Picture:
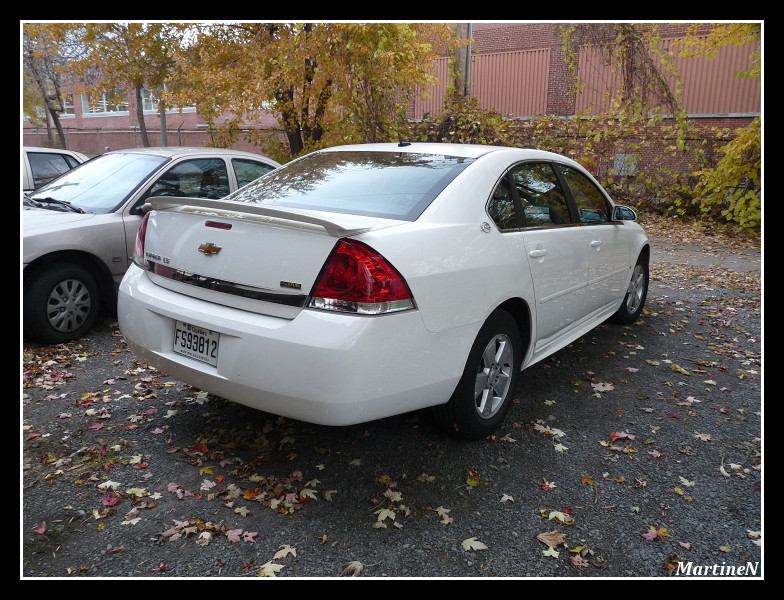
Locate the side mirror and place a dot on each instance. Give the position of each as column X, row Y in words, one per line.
column 623, row 213
column 141, row 209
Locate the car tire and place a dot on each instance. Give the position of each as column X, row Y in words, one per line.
column 61, row 303
column 636, row 293
column 487, row 387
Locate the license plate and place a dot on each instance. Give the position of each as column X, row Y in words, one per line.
column 196, row 342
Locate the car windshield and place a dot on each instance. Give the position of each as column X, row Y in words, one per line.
column 394, row 185
column 102, row 184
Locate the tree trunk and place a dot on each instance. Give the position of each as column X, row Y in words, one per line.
column 52, row 113
column 140, row 117
column 291, row 124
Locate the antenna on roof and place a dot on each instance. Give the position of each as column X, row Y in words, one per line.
column 401, row 143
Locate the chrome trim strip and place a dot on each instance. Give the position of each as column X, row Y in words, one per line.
column 227, row 287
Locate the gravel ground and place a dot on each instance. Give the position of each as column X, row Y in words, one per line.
column 636, row 452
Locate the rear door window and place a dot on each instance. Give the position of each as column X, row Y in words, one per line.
column 249, row 170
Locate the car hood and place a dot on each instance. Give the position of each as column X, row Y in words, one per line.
column 37, row 218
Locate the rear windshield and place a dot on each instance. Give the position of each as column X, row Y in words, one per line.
column 393, row 185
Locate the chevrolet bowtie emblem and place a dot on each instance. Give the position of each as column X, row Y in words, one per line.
column 209, row 249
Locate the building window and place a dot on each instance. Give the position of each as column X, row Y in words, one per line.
column 149, row 101
column 68, row 105
column 116, row 102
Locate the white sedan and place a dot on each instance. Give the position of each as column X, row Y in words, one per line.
column 78, row 230
column 366, row 281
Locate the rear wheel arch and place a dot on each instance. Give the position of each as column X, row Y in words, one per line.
column 645, row 254
column 520, row 311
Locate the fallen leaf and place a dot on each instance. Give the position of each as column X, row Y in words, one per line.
column 353, row 569
column 284, row 551
column 578, row 561
column 552, row 539
column 560, row 516
column 385, row 513
column 472, row 544
column 268, row 569
column 234, row 535
column 655, row 532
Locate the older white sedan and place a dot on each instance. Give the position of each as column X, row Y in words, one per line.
column 365, row 281
column 79, row 229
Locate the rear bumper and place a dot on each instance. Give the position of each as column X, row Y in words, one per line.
column 319, row 367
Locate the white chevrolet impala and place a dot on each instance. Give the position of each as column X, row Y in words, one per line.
column 365, row 281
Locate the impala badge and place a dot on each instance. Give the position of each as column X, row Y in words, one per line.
column 209, row 249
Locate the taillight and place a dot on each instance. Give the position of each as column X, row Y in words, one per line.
column 356, row 279
column 138, row 246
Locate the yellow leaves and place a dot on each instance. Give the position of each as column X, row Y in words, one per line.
column 473, row 478
column 268, row 569
column 679, row 369
column 561, row 517
column 384, row 513
column 471, row 544
column 284, row 551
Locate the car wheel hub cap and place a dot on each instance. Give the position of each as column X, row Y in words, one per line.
column 68, row 305
column 493, row 376
column 636, row 287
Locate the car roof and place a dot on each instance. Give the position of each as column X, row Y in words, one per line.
column 460, row 150
column 51, row 150
column 179, row 151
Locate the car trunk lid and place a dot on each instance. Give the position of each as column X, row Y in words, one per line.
column 246, row 256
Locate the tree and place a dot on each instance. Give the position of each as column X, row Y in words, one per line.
column 45, row 52
column 327, row 82
column 128, row 55
column 732, row 188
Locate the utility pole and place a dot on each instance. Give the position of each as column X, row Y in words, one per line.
column 463, row 60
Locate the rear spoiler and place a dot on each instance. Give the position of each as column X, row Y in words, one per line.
column 239, row 210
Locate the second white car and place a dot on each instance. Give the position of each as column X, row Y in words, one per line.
column 79, row 230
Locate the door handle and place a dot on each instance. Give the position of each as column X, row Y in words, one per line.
column 538, row 253
column 597, row 244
